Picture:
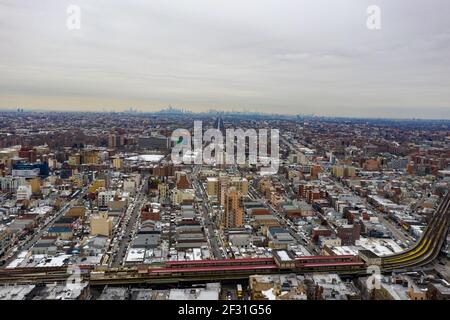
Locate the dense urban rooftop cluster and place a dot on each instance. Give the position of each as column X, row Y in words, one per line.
column 99, row 191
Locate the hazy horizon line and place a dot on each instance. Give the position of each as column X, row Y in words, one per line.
column 186, row 110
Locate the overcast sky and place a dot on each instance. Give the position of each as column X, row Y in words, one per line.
column 284, row 56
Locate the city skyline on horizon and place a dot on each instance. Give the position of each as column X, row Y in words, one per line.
column 231, row 111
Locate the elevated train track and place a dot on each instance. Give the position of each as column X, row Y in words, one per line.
column 227, row 269
column 428, row 246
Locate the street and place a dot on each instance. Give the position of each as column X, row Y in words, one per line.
column 206, row 209
column 130, row 220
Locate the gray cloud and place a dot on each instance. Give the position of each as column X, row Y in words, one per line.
column 287, row 56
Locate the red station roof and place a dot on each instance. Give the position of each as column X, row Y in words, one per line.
column 221, row 268
column 327, row 264
column 326, row 257
column 221, row 261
